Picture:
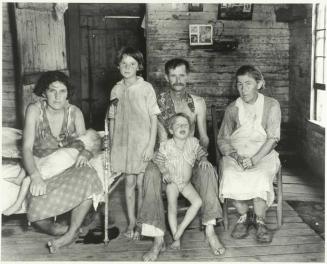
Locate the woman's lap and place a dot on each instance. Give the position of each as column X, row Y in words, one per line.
column 64, row 192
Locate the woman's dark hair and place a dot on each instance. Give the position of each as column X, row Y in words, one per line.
column 135, row 54
column 49, row 77
column 173, row 63
column 253, row 72
column 172, row 120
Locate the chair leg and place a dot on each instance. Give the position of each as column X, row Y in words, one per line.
column 225, row 213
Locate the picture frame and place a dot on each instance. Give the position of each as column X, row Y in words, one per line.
column 200, row 34
column 195, row 7
column 235, row 11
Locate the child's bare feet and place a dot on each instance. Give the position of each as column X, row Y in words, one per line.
column 178, row 233
column 176, row 245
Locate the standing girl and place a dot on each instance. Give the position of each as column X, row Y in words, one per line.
column 133, row 129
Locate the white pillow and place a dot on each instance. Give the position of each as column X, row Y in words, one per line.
column 11, row 142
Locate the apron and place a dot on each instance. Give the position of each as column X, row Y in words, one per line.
column 239, row 184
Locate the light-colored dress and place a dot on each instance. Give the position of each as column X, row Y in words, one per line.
column 136, row 104
column 179, row 162
column 245, row 129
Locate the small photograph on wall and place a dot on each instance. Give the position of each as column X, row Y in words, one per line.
column 200, row 34
column 235, row 11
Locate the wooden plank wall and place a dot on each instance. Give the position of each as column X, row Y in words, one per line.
column 310, row 135
column 262, row 42
column 8, row 72
column 42, row 40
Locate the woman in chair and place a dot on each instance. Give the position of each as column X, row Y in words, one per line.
column 248, row 135
column 49, row 123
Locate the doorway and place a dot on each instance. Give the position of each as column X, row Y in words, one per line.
column 103, row 30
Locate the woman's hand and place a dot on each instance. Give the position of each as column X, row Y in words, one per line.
column 247, row 163
column 148, row 153
column 38, row 185
column 204, row 164
column 81, row 161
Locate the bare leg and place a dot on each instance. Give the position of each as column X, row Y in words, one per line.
column 20, row 199
column 49, row 227
column 130, row 185
column 139, row 183
column 190, row 194
column 77, row 218
column 158, row 246
column 260, row 207
column 19, row 179
column 214, row 242
column 172, row 196
column 241, row 207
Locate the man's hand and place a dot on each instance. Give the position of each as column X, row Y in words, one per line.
column 204, row 164
column 38, row 185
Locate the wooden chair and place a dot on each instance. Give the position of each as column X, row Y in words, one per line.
column 217, row 117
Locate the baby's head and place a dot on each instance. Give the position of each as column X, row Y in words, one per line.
column 91, row 140
column 179, row 126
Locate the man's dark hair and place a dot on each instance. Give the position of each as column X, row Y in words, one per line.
column 173, row 63
column 49, row 77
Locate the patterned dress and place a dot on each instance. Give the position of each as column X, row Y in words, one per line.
column 68, row 189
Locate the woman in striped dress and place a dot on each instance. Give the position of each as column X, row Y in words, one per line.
column 49, row 123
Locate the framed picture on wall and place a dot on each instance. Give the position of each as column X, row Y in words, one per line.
column 200, row 34
column 235, row 11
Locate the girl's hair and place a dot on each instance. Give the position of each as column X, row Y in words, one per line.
column 172, row 120
column 135, row 54
column 49, row 77
column 253, row 72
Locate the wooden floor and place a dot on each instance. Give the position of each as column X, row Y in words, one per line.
column 294, row 242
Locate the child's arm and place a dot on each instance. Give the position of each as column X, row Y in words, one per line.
column 148, row 153
column 160, row 159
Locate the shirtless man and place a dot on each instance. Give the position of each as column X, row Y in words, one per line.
column 151, row 215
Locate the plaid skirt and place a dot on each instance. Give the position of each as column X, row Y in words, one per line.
column 64, row 192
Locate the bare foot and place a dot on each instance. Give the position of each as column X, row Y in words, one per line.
column 178, row 233
column 176, row 245
column 137, row 235
column 64, row 240
column 12, row 209
column 129, row 233
column 153, row 253
column 216, row 246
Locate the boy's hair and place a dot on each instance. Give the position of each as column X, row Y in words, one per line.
column 252, row 71
column 49, row 77
column 172, row 120
column 135, row 54
column 173, row 63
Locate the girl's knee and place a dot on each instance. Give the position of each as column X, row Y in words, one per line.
column 130, row 181
column 172, row 207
